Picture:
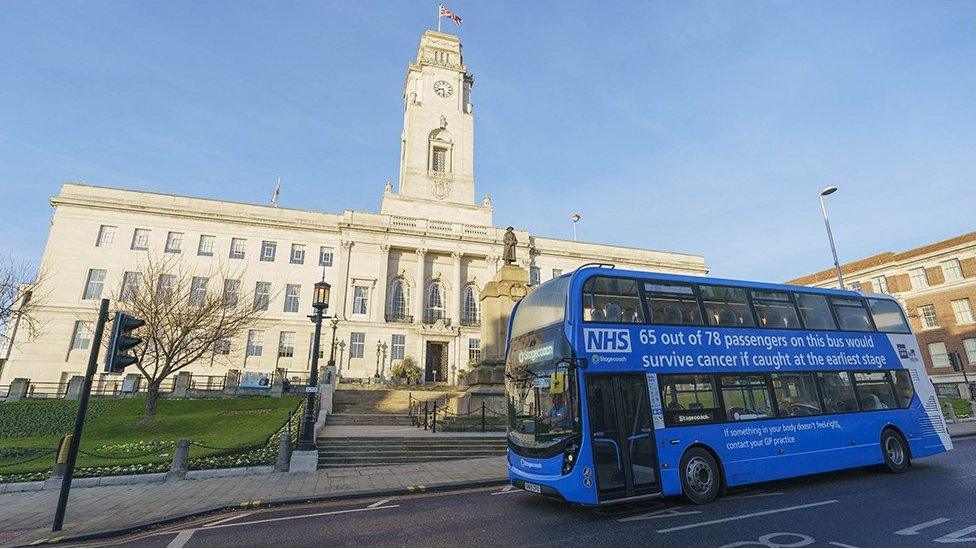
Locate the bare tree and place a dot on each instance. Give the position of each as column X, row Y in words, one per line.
column 189, row 316
column 21, row 297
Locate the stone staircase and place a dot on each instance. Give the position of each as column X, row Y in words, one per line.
column 376, row 406
column 370, row 451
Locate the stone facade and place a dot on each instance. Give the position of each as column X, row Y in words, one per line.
column 936, row 284
column 406, row 281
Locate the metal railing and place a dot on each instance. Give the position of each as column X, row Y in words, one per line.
column 402, row 318
column 427, row 414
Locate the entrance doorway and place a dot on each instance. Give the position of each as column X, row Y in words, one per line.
column 622, row 432
column 436, row 362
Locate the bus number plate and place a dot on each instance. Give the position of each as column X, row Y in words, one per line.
column 532, row 487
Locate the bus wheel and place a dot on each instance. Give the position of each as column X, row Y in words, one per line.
column 895, row 452
column 700, row 477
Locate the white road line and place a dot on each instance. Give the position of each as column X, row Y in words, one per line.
column 913, row 530
column 756, row 495
column 674, row 512
column 295, row 517
column 839, row 544
column 181, row 538
column 378, row 503
column 748, row 515
column 506, row 490
column 232, row 517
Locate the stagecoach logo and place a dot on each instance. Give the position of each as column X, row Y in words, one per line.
column 905, row 352
column 600, row 340
column 597, row 359
column 539, row 354
column 529, row 464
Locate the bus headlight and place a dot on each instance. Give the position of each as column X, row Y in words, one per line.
column 569, row 457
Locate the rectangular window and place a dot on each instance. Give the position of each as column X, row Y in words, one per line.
column 286, row 344
column 255, row 342
column 268, row 250
column 970, row 346
column 238, row 247
column 951, row 270
column 887, row 316
column 904, row 390
column 198, row 291
column 880, row 284
column 746, row 397
column 174, row 243
column 398, row 348
column 221, row 347
column 438, row 160
column 939, row 355
column 535, row 277
column 856, row 286
column 130, row 286
column 672, row 303
column 82, row 336
column 556, row 273
column 726, row 306
column 94, row 284
column 474, row 351
column 106, row 235
column 360, row 300
column 325, row 256
column 292, row 293
column 815, row 312
column 874, row 391
column 164, row 288
column 297, row 254
column 357, row 344
column 775, row 310
column 140, row 239
column 607, row 299
column 963, row 310
column 796, row 394
column 926, row 313
column 231, row 291
column 206, row 245
column 837, row 391
column 918, row 278
column 262, row 296
column 851, row 314
column 689, row 400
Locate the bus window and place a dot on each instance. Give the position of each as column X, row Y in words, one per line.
column 672, row 304
column 726, row 306
column 689, row 399
column 851, row 314
column 607, row 299
column 746, row 397
column 796, row 394
column 887, row 316
column 837, row 391
column 874, row 391
column 775, row 310
column 904, row 391
column 815, row 312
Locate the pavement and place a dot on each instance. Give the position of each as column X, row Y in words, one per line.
column 964, row 428
column 931, row 505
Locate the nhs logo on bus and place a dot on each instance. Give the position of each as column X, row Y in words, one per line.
column 606, row 340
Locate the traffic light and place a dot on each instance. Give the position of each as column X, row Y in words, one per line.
column 116, row 358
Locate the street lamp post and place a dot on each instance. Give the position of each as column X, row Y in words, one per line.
column 575, row 218
column 833, row 249
column 335, row 324
column 320, row 302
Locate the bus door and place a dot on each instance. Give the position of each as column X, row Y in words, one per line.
column 622, row 435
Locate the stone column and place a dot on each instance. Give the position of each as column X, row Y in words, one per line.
column 491, row 266
column 341, row 290
column 379, row 298
column 74, row 387
column 18, row 389
column 418, row 300
column 456, row 282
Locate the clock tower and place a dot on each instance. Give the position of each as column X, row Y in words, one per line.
column 437, row 143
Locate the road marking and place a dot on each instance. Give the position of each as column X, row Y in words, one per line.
column 748, row 515
column 181, row 538
column 756, row 495
column 233, row 517
column 957, row 536
column 506, row 490
column 673, row 512
column 839, row 544
column 310, row 515
column 378, row 503
column 914, row 530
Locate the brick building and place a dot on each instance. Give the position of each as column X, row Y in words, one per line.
column 936, row 284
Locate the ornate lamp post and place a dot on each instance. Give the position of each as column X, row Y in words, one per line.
column 320, row 302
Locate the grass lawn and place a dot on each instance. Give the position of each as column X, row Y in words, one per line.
column 115, row 428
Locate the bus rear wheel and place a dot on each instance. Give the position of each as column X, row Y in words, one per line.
column 700, row 476
column 895, row 452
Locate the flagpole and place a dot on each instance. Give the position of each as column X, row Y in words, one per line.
column 438, row 18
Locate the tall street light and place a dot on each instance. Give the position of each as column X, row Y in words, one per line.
column 320, row 302
column 823, row 208
column 575, row 218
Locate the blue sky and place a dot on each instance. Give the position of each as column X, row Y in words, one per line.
column 703, row 127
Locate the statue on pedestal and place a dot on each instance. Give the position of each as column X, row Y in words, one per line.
column 510, row 242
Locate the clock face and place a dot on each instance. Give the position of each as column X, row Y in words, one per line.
column 443, row 88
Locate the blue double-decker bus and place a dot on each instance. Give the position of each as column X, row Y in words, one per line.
column 624, row 385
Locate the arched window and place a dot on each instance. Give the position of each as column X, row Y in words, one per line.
column 469, row 306
column 440, row 145
column 398, row 309
column 436, row 306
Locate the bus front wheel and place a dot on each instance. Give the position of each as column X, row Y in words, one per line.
column 895, row 452
column 700, row 476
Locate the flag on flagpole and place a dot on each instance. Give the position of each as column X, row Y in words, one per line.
column 277, row 191
column 450, row 15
